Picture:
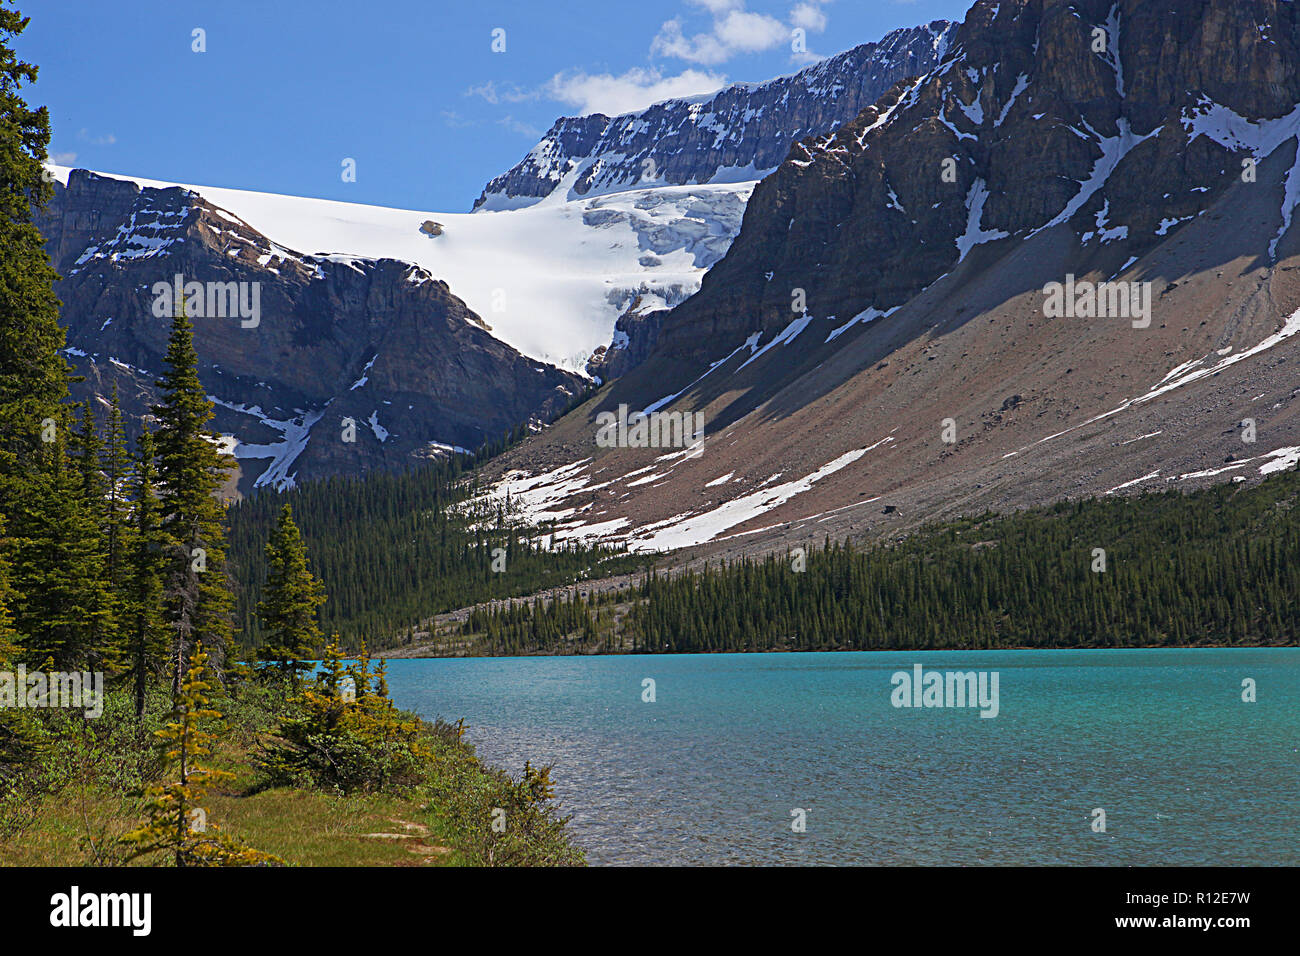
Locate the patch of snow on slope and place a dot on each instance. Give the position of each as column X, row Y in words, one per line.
column 751, row 343
column 787, row 335
column 975, row 233
column 974, row 111
column 364, row 377
column 1135, row 481
column 1289, row 328
column 1141, row 437
column 1113, row 150
column 1111, row 56
column 1022, row 81
column 1104, row 230
column 1284, row 459
column 1180, row 376
column 700, row 528
column 535, row 497
column 867, row 315
column 1211, row 472
column 283, row 453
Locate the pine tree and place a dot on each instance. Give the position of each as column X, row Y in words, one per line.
column 191, row 471
column 145, row 564
column 177, row 822
column 33, row 374
column 289, row 603
column 63, row 610
column 18, row 741
column 86, row 454
column 86, row 450
column 117, row 530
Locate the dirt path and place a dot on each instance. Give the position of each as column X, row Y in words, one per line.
column 428, row 852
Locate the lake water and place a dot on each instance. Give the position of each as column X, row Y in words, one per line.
column 1186, row 772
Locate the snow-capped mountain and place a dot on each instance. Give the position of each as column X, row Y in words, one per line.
column 317, row 364
column 549, row 280
column 879, row 345
column 735, row 135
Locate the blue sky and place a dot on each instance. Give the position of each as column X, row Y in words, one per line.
column 412, row 90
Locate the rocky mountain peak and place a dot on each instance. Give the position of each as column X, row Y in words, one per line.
column 739, row 133
column 1115, row 118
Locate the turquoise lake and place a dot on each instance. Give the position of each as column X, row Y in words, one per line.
column 710, row 772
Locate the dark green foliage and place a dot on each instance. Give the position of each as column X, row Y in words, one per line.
column 353, row 740
column 117, row 473
column 144, row 545
column 197, row 598
column 61, row 605
column 394, row 549
column 86, row 448
column 18, row 742
column 291, row 598
column 33, row 375
column 1219, row 566
column 33, row 386
column 571, row 623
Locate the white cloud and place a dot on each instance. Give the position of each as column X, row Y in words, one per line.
column 631, row 91
column 809, row 16
column 718, row 6
column 734, row 30
column 63, row 159
column 511, row 94
column 108, row 139
column 455, row 120
column 520, row 127
column 750, row 32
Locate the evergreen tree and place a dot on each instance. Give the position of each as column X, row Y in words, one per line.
column 117, row 473
column 289, row 603
column 177, row 822
column 145, row 564
column 63, row 611
column 191, row 472
column 18, row 742
column 86, row 453
column 33, row 375
column 86, row 449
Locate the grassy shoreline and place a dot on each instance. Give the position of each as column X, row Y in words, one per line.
column 75, row 805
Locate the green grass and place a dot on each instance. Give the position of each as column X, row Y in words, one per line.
column 75, row 803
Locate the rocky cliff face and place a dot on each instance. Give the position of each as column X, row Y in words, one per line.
column 635, row 333
column 1119, row 119
column 291, row 347
column 736, row 134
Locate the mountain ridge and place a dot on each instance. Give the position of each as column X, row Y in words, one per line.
column 751, row 126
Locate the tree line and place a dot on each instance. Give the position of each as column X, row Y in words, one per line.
column 1218, row 566
column 394, row 548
